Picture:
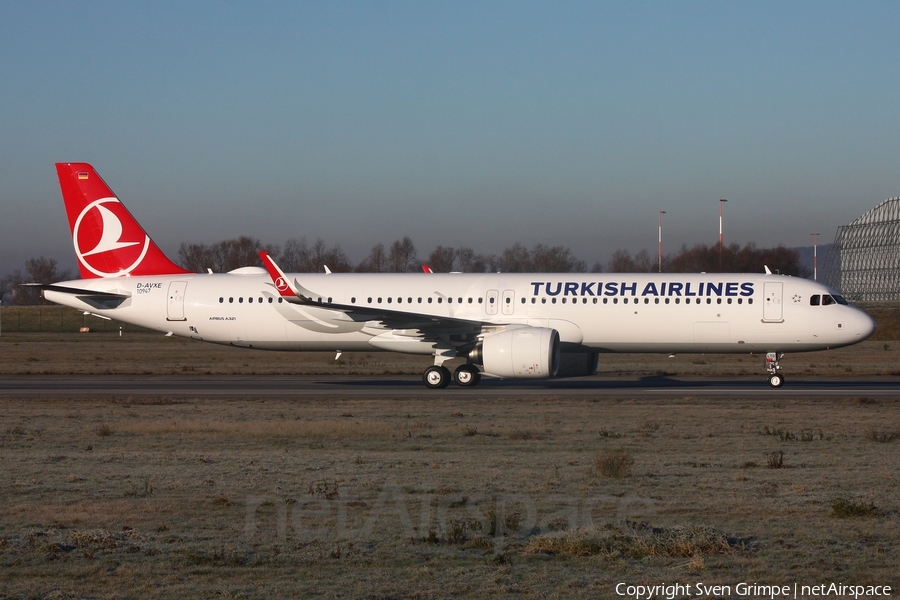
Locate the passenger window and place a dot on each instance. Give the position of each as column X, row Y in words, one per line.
column 449, row 300
column 280, row 300
column 814, row 300
column 624, row 300
column 709, row 300
column 749, row 300
column 409, row 300
column 399, row 300
column 429, row 300
column 656, row 301
column 729, row 301
column 543, row 301
column 353, row 300
column 667, row 300
column 740, row 300
column 595, row 301
column 440, row 300
column 260, row 300
column 615, row 300
column 250, row 300
column 370, row 300
column 390, row 299
column 563, row 300
column 241, row 300
column 605, row 300
column 677, row 300
column 523, row 300
column 553, row 301
column 221, row 300
column 329, row 300
column 270, row 301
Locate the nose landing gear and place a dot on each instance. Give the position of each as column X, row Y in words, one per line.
column 776, row 379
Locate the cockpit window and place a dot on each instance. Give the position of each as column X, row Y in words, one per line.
column 814, row 300
column 827, row 300
column 840, row 300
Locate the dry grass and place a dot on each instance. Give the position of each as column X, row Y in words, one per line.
column 437, row 496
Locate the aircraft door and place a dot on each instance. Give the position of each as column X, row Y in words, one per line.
column 508, row 305
column 772, row 309
column 175, row 302
column 491, row 299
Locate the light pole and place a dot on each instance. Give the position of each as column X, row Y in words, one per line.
column 661, row 213
column 721, row 202
column 815, row 257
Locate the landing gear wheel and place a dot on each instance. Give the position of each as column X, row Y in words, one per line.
column 436, row 377
column 467, row 376
column 776, row 380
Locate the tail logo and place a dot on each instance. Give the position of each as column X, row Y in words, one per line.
column 101, row 243
column 281, row 284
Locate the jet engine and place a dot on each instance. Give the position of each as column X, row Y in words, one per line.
column 526, row 352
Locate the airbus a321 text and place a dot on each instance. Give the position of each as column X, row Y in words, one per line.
column 506, row 325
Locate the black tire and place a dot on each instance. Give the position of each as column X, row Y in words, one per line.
column 436, row 377
column 467, row 376
column 776, row 380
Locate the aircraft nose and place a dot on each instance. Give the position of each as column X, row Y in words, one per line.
column 865, row 325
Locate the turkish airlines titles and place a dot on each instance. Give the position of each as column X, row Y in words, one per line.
column 664, row 288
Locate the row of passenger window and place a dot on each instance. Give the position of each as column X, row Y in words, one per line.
column 814, row 300
column 249, row 300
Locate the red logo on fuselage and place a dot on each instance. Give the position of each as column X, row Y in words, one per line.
column 281, row 284
column 108, row 242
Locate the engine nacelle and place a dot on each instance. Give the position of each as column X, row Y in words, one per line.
column 526, row 352
column 578, row 364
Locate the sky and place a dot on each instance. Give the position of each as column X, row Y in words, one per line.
column 456, row 123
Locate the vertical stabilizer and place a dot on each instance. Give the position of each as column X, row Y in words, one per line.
column 108, row 241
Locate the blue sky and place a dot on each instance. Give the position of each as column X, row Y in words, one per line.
column 465, row 124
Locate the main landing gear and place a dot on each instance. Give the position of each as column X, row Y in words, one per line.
column 438, row 376
column 776, row 379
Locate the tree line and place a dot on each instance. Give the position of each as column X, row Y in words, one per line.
column 299, row 256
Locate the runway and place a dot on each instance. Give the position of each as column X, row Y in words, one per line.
column 407, row 387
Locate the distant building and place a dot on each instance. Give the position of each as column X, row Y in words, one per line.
column 864, row 263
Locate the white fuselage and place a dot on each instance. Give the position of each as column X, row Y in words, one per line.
column 605, row 312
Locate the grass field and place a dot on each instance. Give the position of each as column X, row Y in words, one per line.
column 436, row 497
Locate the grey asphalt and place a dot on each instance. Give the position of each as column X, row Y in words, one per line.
column 412, row 387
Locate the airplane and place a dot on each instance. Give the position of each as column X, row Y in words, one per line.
column 503, row 325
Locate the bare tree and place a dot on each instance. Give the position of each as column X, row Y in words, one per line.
column 402, row 257
column 555, row 259
column 515, row 259
column 441, row 259
column 295, row 256
column 376, row 262
column 196, row 257
column 469, row 262
column 320, row 256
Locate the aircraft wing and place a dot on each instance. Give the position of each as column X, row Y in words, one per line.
column 294, row 293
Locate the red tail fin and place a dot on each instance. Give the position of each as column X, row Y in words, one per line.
column 109, row 242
